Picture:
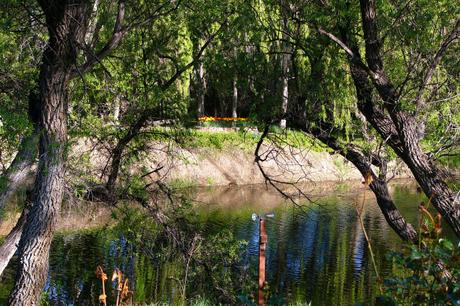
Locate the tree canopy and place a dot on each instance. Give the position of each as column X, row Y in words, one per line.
column 372, row 80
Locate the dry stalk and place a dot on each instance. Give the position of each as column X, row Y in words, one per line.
column 100, row 274
column 123, row 292
column 359, row 210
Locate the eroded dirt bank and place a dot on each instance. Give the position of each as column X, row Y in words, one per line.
column 229, row 165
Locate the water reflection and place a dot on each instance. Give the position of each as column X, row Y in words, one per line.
column 317, row 254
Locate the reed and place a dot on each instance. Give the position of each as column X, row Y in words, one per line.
column 124, row 295
column 103, row 277
column 359, row 211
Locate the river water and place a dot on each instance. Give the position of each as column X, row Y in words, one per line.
column 316, row 252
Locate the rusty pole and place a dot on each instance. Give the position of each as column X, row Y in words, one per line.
column 262, row 248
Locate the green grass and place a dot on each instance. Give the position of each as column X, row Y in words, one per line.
column 247, row 141
column 240, row 139
column 227, row 124
column 220, row 140
column 180, row 183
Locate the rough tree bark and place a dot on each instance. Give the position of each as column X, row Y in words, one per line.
column 324, row 132
column 67, row 24
column 396, row 126
column 15, row 177
column 409, row 150
column 10, row 244
column 20, row 168
column 378, row 185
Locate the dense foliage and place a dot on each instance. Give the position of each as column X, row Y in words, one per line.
column 372, row 80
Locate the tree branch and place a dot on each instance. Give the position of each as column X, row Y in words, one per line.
column 354, row 57
column 453, row 35
column 179, row 72
column 114, row 41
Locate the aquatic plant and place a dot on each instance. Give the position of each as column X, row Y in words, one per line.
column 123, row 293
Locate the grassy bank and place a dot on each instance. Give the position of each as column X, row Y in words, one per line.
column 247, row 139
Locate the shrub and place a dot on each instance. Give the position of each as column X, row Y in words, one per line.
column 428, row 273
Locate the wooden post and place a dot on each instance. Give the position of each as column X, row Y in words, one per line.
column 262, row 247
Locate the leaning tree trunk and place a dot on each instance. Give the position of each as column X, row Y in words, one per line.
column 378, row 184
column 443, row 198
column 10, row 244
column 16, row 176
column 66, row 21
column 20, row 168
column 117, row 153
column 324, row 132
column 379, row 187
column 391, row 213
column 427, row 175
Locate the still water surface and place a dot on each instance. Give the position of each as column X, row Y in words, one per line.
column 316, row 252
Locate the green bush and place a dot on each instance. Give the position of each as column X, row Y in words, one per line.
column 428, row 273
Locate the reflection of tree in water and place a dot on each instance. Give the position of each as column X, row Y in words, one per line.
column 314, row 255
column 73, row 261
column 70, row 280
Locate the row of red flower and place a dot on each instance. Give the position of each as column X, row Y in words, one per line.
column 206, row 118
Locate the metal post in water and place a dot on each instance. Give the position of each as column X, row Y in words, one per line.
column 262, row 248
column 263, row 238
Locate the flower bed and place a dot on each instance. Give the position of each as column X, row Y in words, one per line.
column 207, row 119
column 223, row 121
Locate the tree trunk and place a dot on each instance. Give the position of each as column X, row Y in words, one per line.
column 199, row 72
column 285, row 93
column 408, row 149
column 148, row 114
column 116, row 108
column 427, row 175
column 91, row 33
column 235, row 98
column 66, row 22
column 20, row 168
column 38, row 233
column 16, row 176
column 285, row 57
column 117, row 153
column 10, row 244
column 391, row 213
column 378, row 185
column 324, row 132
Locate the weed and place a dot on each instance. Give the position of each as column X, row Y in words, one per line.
column 124, row 295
